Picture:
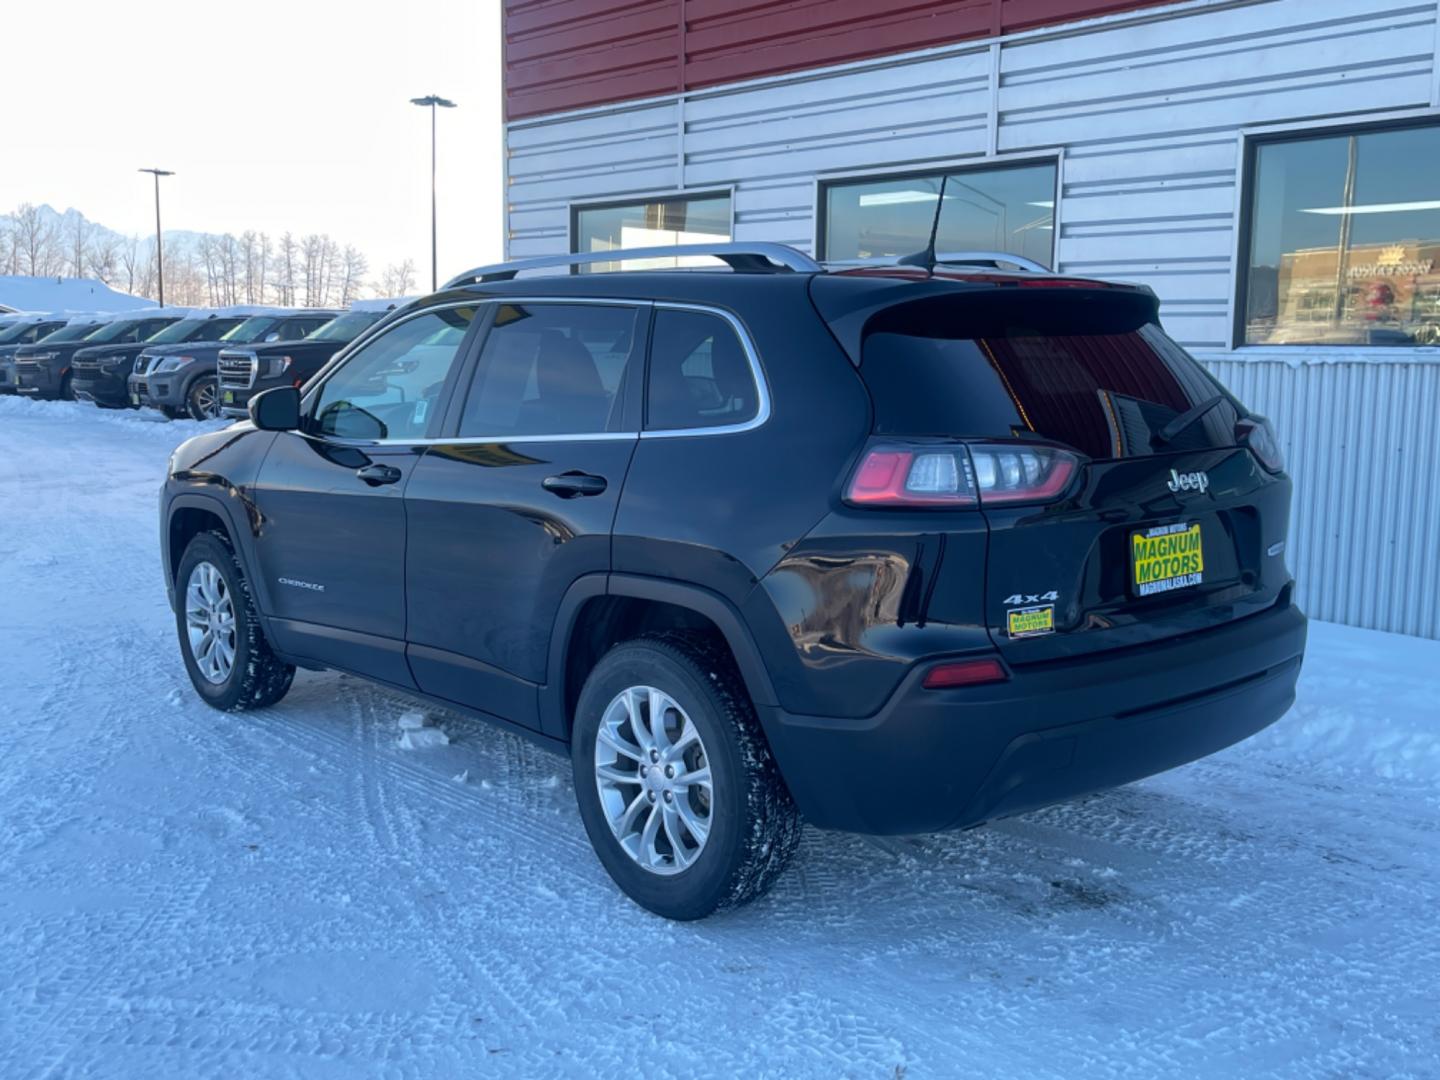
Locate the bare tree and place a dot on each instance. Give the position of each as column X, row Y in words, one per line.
column 354, row 267
column 34, row 236
column 77, row 238
column 288, row 256
column 398, row 279
column 103, row 257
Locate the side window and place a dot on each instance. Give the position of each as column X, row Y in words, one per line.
column 294, row 329
column 700, row 376
column 388, row 389
column 551, row 369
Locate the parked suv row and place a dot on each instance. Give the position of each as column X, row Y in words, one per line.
column 179, row 377
column 248, row 368
column 18, row 330
column 888, row 550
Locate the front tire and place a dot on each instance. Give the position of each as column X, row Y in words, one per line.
column 226, row 655
column 202, row 399
column 679, row 794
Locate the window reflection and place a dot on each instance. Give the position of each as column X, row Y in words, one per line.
column 1008, row 208
column 653, row 223
column 1344, row 243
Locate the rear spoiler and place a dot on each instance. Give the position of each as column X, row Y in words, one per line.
column 969, row 309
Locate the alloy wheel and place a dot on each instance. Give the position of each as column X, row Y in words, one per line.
column 205, row 400
column 210, row 622
column 654, row 780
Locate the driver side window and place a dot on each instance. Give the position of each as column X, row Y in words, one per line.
column 388, row 389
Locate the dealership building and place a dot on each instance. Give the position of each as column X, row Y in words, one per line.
column 1271, row 168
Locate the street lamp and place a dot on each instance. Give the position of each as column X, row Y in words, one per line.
column 159, row 244
column 433, row 100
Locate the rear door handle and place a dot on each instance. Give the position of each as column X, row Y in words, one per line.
column 375, row 475
column 570, row 484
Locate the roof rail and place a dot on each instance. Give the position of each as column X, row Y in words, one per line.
column 762, row 257
column 990, row 258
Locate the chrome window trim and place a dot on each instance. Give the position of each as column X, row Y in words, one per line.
column 762, row 412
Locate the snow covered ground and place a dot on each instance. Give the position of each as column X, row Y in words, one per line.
column 292, row 894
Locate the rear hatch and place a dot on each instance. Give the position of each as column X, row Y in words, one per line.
column 1122, row 506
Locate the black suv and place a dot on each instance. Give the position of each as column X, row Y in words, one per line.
column 17, row 332
column 100, row 369
column 245, row 373
column 46, row 368
column 893, row 550
column 180, row 379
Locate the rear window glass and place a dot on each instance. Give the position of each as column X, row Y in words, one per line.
column 1102, row 386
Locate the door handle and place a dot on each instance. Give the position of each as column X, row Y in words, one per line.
column 570, row 484
column 375, row 475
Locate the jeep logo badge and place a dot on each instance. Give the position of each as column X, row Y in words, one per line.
column 1189, row 481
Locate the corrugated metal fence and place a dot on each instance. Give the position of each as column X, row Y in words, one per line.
column 1362, row 440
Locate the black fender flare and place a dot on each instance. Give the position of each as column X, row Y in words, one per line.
column 711, row 605
column 192, row 500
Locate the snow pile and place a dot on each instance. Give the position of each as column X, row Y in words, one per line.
column 1360, row 709
column 145, row 422
column 418, row 732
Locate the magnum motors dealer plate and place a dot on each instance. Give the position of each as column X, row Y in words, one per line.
column 1167, row 557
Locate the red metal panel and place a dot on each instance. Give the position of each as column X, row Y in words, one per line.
column 570, row 54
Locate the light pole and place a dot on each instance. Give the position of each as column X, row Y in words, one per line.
column 159, row 244
column 433, row 100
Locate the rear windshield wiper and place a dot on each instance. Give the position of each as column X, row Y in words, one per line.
column 1169, row 432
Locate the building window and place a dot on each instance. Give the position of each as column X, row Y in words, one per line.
column 665, row 222
column 1007, row 208
column 1342, row 244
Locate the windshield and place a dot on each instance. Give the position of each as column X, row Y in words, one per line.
column 346, row 327
column 252, row 329
column 193, row 330
column 72, row 332
column 112, row 331
column 11, row 334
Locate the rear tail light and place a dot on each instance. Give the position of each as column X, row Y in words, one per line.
column 1258, row 434
column 964, row 673
column 961, row 475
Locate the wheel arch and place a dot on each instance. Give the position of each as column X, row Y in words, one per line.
column 186, row 517
column 601, row 609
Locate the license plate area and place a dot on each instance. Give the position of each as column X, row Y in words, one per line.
column 1166, row 558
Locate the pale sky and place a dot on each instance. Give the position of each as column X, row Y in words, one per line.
column 274, row 115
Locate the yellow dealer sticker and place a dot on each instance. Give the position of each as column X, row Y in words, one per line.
column 1165, row 558
column 1031, row 621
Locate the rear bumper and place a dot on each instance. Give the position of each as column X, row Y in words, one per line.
column 933, row 760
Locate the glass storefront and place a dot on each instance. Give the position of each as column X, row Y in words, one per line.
column 1343, row 245
column 666, row 222
column 1007, row 208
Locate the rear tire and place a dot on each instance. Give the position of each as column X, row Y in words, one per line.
column 226, row 655
column 750, row 824
column 202, row 398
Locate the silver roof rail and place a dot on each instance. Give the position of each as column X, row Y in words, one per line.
column 990, row 258
column 762, row 256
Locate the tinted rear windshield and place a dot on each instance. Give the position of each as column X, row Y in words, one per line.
column 1092, row 376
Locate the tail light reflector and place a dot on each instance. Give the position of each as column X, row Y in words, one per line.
column 961, row 475
column 964, row 673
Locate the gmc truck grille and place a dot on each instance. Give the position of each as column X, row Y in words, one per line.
column 237, row 372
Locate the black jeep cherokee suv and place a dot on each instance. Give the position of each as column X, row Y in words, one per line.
column 180, row 380
column 889, row 550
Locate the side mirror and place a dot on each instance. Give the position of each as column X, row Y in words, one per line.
column 277, row 409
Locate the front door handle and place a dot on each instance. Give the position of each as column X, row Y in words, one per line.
column 375, row 475
column 570, row 484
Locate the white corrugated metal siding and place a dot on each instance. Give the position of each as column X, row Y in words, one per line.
column 1146, row 111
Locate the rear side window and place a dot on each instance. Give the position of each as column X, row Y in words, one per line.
column 700, row 374
column 551, row 369
column 1102, row 386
